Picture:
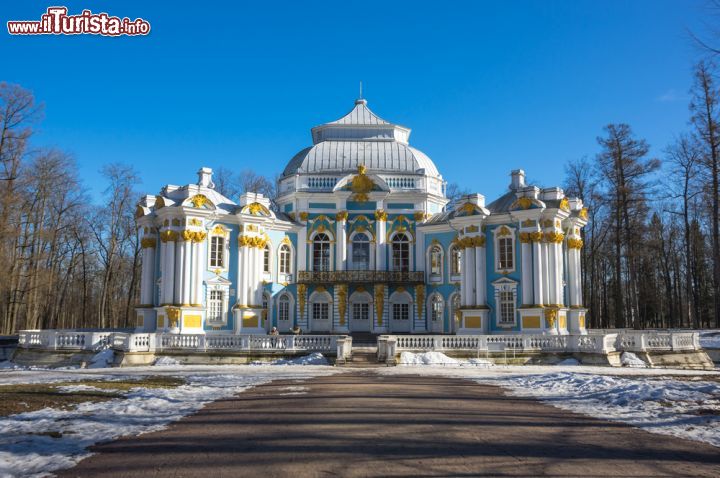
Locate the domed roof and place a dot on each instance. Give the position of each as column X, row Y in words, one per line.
column 360, row 138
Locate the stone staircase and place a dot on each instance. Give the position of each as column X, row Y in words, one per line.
column 364, row 351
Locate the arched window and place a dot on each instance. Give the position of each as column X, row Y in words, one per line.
column 265, row 306
column 284, row 308
column 436, row 308
column 284, row 259
column 436, row 260
column 361, row 252
column 455, row 261
column 266, row 259
column 321, row 252
column 401, row 253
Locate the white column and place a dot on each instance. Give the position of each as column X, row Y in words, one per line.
column 252, row 265
column 258, row 285
column 381, row 249
column 471, row 282
column 537, row 273
column 169, row 273
column 187, row 274
column 527, row 273
column 301, row 250
column 420, row 251
column 575, row 291
column 241, row 276
column 464, row 284
column 180, row 273
column 199, row 264
column 547, row 285
column 480, row 276
column 558, row 269
column 341, row 242
column 148, row 276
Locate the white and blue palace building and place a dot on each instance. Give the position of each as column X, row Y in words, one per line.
column 361, row 238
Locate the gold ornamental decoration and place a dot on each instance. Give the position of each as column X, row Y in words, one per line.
column 361, row 185
column 341, row 216
column 159, row 202
column 525, row 237
column 522, row 203
column 379, row 302
column 583, row 213
column 574, row 243
column 565, row 205
column 381, row 215
column 550, row 317
column 420, row 299
column 342, row 301
column 536, row 236
column 199, row 200
column 302, row 297
column 173, row 315
column 148, row 242
column 139, row 211
column 554, row 237
column 168, row 236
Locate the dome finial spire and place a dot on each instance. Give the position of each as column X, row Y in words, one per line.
column 360, row 100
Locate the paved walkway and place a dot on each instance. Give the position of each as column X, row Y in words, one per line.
column 363, row 424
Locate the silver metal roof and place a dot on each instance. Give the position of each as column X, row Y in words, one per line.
column 360, row 138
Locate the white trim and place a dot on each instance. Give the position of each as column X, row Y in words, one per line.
column 505, row 285
column 331, row 243
column 226, row 248
column 496, row 249
column 411, row 256
column 430, row 277
column 285, row 277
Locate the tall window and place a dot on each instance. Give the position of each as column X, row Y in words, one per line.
column 321, row 252
column 266, row 259
column 505, row 253
column 361, row 252
column 284, row 308
column 321, row 311
column 507, row 307
column 436, row 308
column 284, row 259
column 215, row 306
column 401, row 253
column 361, row 311
column 401, row 311
column 455, row 261
column 217, row 251
column 435, row 260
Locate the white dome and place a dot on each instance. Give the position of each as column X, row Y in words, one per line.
column 360, row 138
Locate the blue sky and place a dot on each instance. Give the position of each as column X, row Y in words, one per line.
column 485, row 86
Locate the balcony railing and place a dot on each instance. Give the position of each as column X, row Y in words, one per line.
column 360, row 276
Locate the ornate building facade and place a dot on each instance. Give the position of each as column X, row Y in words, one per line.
column 361, row 238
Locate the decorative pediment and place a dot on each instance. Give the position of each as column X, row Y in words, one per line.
column 504, row 281
column 525, row 203
column 200, row 201
column 218, row 281
column 256, row 209
column 468, row 209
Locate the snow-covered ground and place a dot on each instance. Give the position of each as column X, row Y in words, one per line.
column 36, row 443
column 683, row 403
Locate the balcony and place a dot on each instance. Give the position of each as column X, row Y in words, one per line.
column 332, row 277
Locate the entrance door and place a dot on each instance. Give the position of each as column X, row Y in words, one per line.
column 400, row 317
column 360, row 317
column 320, row 318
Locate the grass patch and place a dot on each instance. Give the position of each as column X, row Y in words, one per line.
column 30, row 397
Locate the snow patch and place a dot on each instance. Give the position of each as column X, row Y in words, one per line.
column 315, row 358
column 166, row 362
column 40, row 442
column 629, row 359
column 438, row 358
column 102, row 359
